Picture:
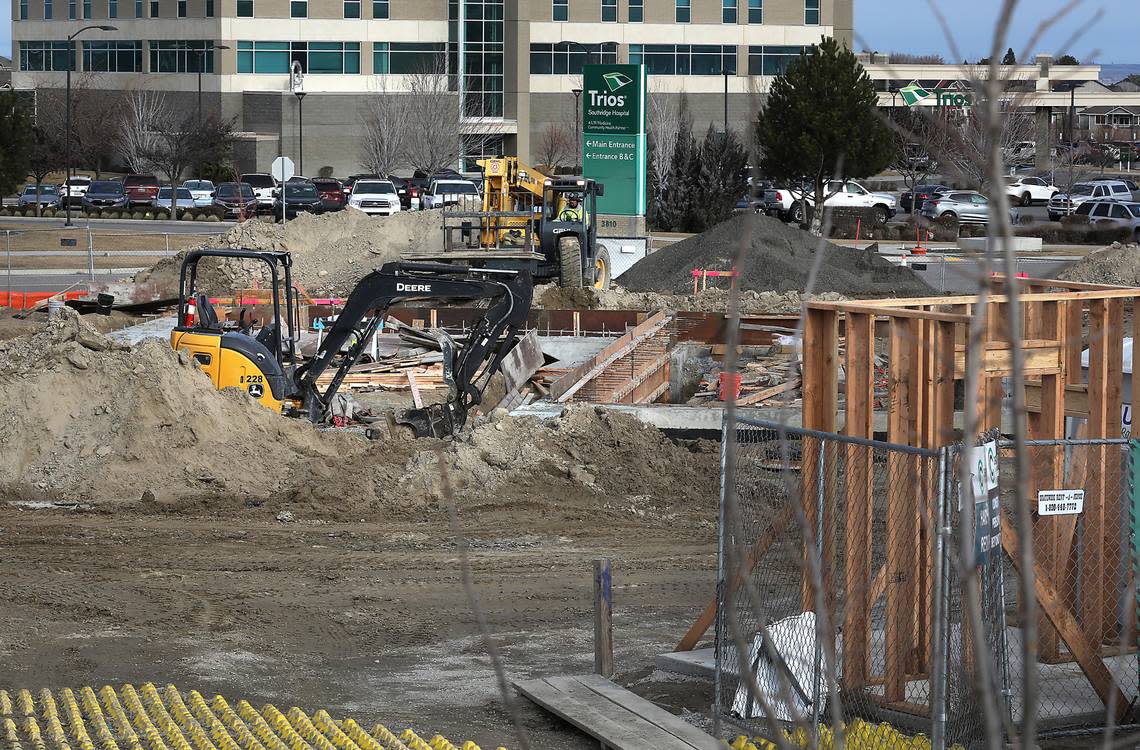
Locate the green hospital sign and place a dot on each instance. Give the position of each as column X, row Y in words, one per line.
column 613, row 133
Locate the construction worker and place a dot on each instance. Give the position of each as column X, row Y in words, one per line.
column 571, row 212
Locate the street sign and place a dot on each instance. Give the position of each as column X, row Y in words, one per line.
column 283, row 169
column 613, row 135
column 1060, row 502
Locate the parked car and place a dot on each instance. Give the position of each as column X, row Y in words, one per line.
column 352, row 178
column 1118, row 213
column 1028, row 190
column 375, row 197
column 71, row 192
column 47, row 196
column 962, row 206
column 201, row 190
column 409, row 193
column 331, row 192
column 141, row 189
column 264, row 188
column 449, row 192
column 848, row 194
column 1023, row 152
column 1063, row 204
column 915, row 198
column 299, row 196
column 106, row 194
column 235, row 198
column 183, row 199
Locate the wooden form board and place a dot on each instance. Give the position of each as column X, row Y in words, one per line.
column 928, row 353
column 633, row 369
column 614, row 715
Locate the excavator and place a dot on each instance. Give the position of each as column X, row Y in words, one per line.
column 266, row 365
column 525, row 209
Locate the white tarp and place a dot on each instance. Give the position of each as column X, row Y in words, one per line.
column 794, row 639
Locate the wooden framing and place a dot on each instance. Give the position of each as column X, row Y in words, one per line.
column 929, row 350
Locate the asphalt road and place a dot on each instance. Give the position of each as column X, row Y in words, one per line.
column 108, row 225
column 52, row 282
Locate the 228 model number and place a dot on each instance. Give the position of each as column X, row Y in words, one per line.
column 243, row 379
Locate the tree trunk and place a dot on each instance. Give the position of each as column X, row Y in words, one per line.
column 816, row 224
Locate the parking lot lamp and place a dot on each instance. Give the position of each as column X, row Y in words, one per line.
column 67, row 113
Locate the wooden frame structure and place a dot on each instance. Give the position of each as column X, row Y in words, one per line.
column 927, row 341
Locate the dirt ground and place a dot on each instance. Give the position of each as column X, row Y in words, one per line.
column 365, row 619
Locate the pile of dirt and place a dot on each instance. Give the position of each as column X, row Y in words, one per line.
column 587, row 462
column 779, row 258
column 87, row 420
column 331, row 252
column 1115, row 264
column 752, row 302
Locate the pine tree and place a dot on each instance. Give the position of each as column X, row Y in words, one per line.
column 1010, row 58
column 15, row 142
column 821, row 123
column 723, row 161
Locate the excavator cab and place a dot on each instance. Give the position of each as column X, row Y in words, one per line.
column 569, row 232
column 230, row 352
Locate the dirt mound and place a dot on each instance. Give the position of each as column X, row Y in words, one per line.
column 331, row 252
column 84, row 419
column 752, row 302
column 1115, row 264
column 586, row 462
column 779, row 258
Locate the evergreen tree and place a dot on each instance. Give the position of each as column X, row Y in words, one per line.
column 821, row 123
column 723, row 161
column 15, row 142
column 677, row 207
column 1010, row 58
column 1066, row 60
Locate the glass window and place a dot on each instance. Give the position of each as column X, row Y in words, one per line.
column 112, row 8
column 113, row 57
column 47, row 10
column 180, row 56
column 43, row 56
column 352, row 8
column 1119, row 212
column 636, row 11
column 609, row 11
column 209, row 8
column 23, row 10
column 685, row 59
column 1100, row 210
column 318, row 58
column 755, row 11
column 87, row 9
column 299, row 8
column 684, row 11
column 72, row 11
column 770, row 60
column 380, row 8
column 182, row 8
column 1084, row 209
column 139, row 12
column 154, row 8
column 407, row 57
column 245, row 8
column 728, row 11
column 811, row 12
column 565, row 59
column 561, row 10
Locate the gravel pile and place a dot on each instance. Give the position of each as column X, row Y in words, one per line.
column 1115, row 264
column 779, row 258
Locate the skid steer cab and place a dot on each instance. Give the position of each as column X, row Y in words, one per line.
column 260, row 363
column 569, row 233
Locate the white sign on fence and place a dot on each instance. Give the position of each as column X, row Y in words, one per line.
column 1060, row 502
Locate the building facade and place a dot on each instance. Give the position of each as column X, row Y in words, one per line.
column 522, row 59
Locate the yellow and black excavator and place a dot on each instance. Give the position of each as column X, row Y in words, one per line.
column 266, row 365
column 524, row 208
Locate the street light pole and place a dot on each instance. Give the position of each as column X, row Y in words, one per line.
column 67, row 115
column 300, row 133
column 577, row 131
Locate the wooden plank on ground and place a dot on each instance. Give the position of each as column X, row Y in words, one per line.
column 768, row 393
column 1085, row 651
column 617, row 717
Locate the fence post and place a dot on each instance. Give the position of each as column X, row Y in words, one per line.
column 603, row 618
column 721, row 577
column 166, row 236
column 938, row 707
column 821, row 596
column 90, row 253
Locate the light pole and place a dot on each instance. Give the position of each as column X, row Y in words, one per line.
column 577, row 131
column 300, row 134
column 201, row 64
column 586, row 50
column 67, row 112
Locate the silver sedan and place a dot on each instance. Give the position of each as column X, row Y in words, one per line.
column 963, row 207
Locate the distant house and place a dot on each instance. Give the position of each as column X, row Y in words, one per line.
column 1110, row 123
column 5, row 73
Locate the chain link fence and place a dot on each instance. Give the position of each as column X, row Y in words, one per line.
column 890, row 547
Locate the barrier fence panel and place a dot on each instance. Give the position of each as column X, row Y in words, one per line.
column 899, row 546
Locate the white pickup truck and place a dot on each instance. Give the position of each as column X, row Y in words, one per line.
column 788, row 203
column 450, row 193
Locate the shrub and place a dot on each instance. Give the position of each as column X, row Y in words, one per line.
column 139, row 215
column 186, row 216
column 212, row 217
column 200, row 217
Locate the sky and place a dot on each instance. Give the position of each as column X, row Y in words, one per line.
column 910, row 26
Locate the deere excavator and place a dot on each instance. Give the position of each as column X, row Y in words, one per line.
column 266, row 365
column 553, row 219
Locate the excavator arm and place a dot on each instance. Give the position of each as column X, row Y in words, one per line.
column 466, row 369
